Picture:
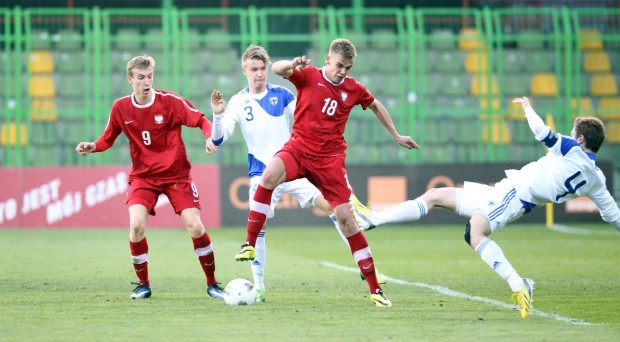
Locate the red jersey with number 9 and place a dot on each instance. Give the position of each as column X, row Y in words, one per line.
column 154, row 133
column 323, row 109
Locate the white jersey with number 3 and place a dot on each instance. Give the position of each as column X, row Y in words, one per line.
column 265, row 121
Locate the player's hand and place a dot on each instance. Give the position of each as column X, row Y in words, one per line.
column 525, row 103
column 300, row 62
column 406, row 141
column 85, row 148
column 210, row 146
column 217, row 102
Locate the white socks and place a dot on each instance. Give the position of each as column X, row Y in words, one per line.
column 407, row 211
column 258, row 264
column 493, row 256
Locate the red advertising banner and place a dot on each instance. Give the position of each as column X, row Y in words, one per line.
column 91, row 197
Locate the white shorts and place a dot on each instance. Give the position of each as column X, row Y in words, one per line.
column 302, row 189
column 498, row 203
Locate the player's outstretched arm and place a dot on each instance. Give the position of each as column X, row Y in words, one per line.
column 217, row 132
column 84, row 148
column 285, row 68
column 384, row 117
column 537, row 125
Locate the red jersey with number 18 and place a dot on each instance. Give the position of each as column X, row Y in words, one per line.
column 154, row 132
column 323, row 109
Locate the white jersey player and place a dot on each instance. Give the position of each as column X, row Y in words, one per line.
column 567, row 171
column 264, row 113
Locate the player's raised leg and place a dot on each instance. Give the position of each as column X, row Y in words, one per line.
column 274, row 175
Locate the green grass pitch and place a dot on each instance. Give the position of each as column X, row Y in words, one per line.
column 73, row 285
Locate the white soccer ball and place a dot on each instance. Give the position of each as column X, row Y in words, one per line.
column 240, row 292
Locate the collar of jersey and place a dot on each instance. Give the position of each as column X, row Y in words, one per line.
column 328, row 80
column 133, row 100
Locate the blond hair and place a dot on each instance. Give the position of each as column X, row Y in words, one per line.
column 343, row 47
column 255, row 52
column 140, row 62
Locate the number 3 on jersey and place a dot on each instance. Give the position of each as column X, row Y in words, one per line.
column 329, row 107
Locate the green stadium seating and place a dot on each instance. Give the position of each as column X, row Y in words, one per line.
column 449, row 61
column 538, row 61
column 128, row 39
column 40, row 40
column 512, row 60
column 71, row 85
column 530, row 40
column 442, row 40
column 70, row 61
column 454, row 84
column 516, row 84
column 68, row 40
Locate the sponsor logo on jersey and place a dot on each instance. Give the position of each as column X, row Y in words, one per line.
column 159, row 119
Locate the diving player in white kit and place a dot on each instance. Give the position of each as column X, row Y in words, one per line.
column 567, row 171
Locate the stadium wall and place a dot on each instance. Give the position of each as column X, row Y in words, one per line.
column 94, row 197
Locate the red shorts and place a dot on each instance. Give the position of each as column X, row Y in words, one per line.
column 182, row 194
column 328, row 174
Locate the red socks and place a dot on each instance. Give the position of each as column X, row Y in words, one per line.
column 139, row 255
column 259, row 208
column 363, row 258
column 204, row 251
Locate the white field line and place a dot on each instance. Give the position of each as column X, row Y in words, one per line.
column 582, row 231
column 452, row 293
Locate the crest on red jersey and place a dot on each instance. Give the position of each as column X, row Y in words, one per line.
column 159, row 119
column 344, row 96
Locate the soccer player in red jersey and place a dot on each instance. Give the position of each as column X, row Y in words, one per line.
column 152, row 120
column 316, row 149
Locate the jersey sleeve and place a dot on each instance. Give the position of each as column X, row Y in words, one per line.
column 366, row 98
column 606, row 205
column 224, row 126
column 298, row 78
column 111, row 132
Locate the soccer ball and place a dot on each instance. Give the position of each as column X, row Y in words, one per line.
column 240, row 292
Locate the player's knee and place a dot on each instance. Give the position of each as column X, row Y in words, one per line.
column 467, row 234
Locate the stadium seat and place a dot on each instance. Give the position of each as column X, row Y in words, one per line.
column 442, row 40
column 363, row 64
column 449, row 61
column 359, row 38
column 383, row 39
column 603, row 85
column 43, row 109
column 609, row 108
column 581, row 106
column 544, row 84
column 71, row 85
column 197, row 62
column 590, row 39
column 41, row 86
column 470, row 39
column 68, row 40
column 613, row 132
column 43, row 133
column 395, row 64
column 155, row 41
column 45, row 155
column 191, row 40
column 72, row 61
column 480, row 85
column 596, row 61
column 500, row 134
column 127, row 39
column 530, row 40
column 218, row 40
column 40, row 40
column 538, row 61
column 391, row 85
column 219, row 61
column 511, row 60
column 514, row 111
column 516, row 84
column 41, row 61
column 8, row 134
column 454, row 84
column 476, row 62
